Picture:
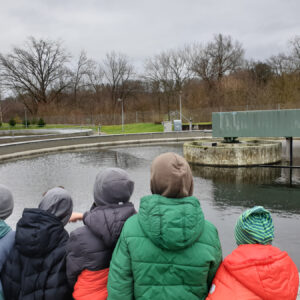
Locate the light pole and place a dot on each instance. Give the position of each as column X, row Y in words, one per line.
column 180, row 112
column 26, row 125
column 121, row 100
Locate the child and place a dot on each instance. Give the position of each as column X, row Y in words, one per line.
column 7, row 236
column 255, row 270
column 168, row 250
column 90, row 247
column 36, row 267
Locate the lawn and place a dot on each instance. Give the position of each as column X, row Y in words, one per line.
column 132, row 128
column 108, row 129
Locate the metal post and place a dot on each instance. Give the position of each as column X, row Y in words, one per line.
column 1, row 116
column 121, row 100
column 25, row 117
column 291, row 151
column 122, row 117
column 180, row 112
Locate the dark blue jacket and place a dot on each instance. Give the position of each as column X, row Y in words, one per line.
column 36, row 267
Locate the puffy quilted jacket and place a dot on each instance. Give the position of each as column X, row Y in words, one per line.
column 91, row 285
column 167, row 251
column 90, row 247
column 36, row 266
column 256, row 272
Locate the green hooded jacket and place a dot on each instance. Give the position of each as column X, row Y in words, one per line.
column 167, row 251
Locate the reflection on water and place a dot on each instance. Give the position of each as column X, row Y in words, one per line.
column 223, row 192
column 241, row 175
column 269, row 187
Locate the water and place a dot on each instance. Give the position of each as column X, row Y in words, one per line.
column 224, row 193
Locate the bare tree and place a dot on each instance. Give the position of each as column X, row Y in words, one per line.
column 280, row 64
column 168, row 72
column 118, row 72
column 295, row 55
column 295, row 43
column 95, row 78
column 81, row 74
column 1, row 110
column 36, row 70
column 218, row 58
column 4, row 107
column 157, row 72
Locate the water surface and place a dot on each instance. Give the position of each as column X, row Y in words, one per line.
column 224, row 193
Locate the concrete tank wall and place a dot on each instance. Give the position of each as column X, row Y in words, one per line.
column 246, row 153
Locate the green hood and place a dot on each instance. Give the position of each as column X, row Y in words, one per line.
column 4, row 229
column 172, row 224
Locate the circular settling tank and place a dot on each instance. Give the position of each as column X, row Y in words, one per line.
column 217, row 152
column 224, row 193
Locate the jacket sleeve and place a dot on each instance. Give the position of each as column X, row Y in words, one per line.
column 215, row 263
column 73, row 269
column 11, row 274
column 120, row 278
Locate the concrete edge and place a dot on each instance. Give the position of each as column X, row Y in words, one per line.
column 37, row 152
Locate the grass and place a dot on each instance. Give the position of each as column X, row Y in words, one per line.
column 108, row 129
column 132, row 128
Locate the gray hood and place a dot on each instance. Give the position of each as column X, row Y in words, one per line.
column 58, row 202
column 112, row 186
column 6, row 202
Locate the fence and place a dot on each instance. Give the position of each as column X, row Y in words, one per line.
column 196, row 115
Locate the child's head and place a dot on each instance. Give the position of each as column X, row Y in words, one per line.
column 171, row 176
column 6, row 202
column 58, row 202
column 112, row 186
column 254, row 226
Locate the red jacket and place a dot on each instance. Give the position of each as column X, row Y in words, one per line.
column 91, row 285
column 256, row 272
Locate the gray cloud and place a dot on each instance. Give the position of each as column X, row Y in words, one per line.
column 143, row 28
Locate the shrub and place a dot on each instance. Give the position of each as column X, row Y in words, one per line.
column 41, row 122
column 26, row 123
column 12, row 122
column 17, row 119
column 33, row 121
column 0, row 124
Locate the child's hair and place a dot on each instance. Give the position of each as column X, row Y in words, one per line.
column 6, row 202
column 254, row 226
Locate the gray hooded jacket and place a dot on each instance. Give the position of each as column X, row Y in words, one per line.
column 90, row 247
column 57, row 201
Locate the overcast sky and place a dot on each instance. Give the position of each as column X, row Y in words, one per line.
column 142, row 28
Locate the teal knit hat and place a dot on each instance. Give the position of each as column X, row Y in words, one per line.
column 254, row 226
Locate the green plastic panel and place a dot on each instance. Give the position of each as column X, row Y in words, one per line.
column 259, row 123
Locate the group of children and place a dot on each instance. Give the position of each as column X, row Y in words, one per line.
column 165, row 251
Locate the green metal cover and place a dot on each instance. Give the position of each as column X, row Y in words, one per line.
column 260, row 123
